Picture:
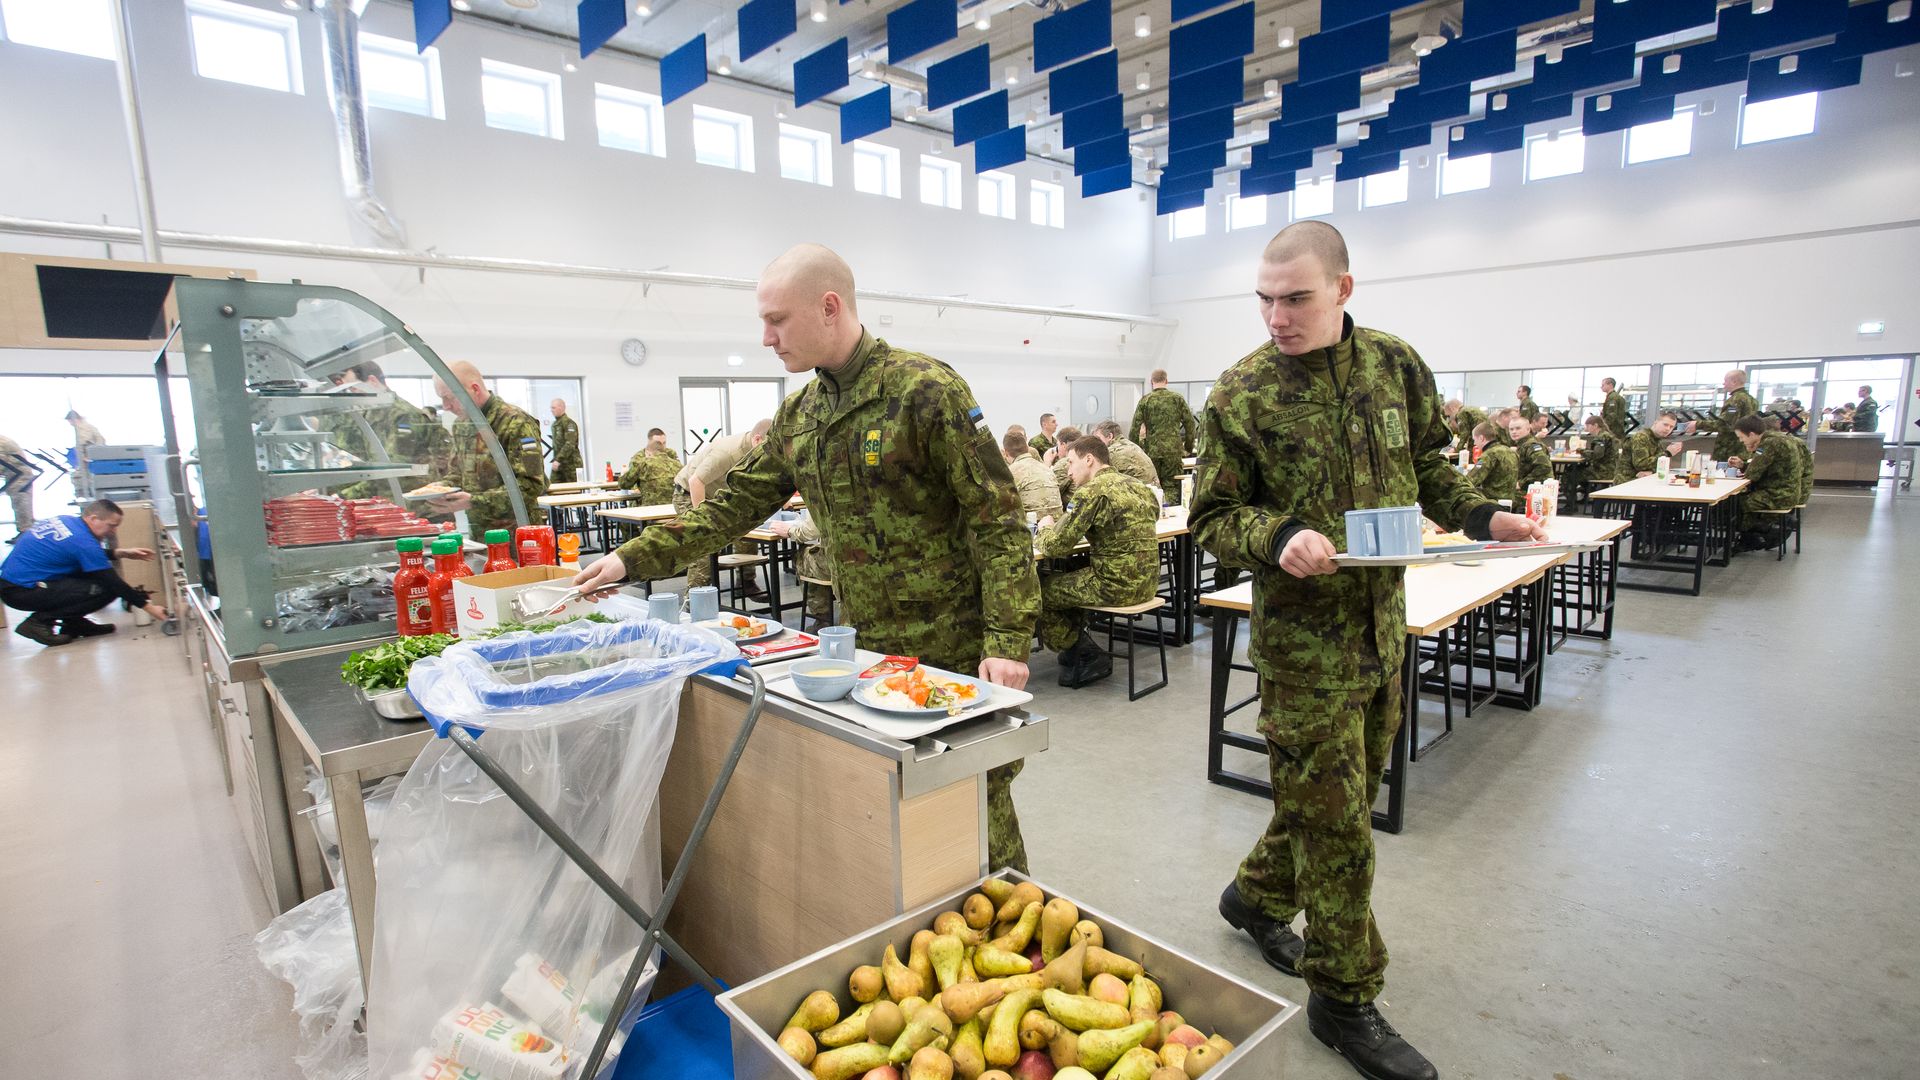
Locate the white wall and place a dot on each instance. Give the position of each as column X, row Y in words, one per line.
column 1768, row 251
column 239, row 160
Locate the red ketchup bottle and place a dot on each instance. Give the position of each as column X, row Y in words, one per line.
column 414, row 606
column 535, row 543
column 448, row 564
column 499, row 552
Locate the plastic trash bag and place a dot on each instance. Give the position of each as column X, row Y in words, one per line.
column 492, row 950
column 312, row 948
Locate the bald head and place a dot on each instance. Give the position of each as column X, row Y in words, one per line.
column 807, row 311
column 1315, row 238
column 468, row 376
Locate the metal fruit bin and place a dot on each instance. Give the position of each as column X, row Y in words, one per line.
column 1209, row 999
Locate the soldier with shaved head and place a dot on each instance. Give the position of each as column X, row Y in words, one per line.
column 918, row 517
column 482, row 491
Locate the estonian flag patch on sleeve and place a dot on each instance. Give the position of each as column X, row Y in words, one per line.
column 978, row 416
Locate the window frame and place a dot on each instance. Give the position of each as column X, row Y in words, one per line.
column 818, row 144
column 1187, row 224
column 1317, row 183
column 1627, row 159
column 1813, row 120
column 742, row 127
column 1006, row 194
column 952, row 181
column 1054, row 198
column 275, row 22
column 889, row 159
column 400, row 49
column 1526, row 171
column 547, row 81
column 1235, row 200
column 1447, row 159
column 108, row 49
column 1404, row 174
column 627, row 97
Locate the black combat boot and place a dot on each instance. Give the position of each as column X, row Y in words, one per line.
column 1361, row 1035
column 1279, row 945
column 34, row 628
column 84, row 627
column 1084, row 662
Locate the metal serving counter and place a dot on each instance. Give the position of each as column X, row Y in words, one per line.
column 1848, row 457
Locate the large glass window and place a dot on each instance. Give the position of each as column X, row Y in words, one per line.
column 1247, row 213
column 1462, row 174
column 1661, row 139
column 84, row 27
column 1885, row 376
column 876, row 169
column 939, row 182
column 1559, row 153
column 1187, row 224
column 722, row 138
column 521, row 99
column 997, row 198
column 1384, row 189
column 1781, row 118
column 806, row 155
column 1047, row 204
column 126, row 409
column 396, row 76
column 629, row 120
column 236, row 43
column 1313, row 198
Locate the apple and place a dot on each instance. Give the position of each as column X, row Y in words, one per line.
column 1188, row 1036
column 1033, row 1065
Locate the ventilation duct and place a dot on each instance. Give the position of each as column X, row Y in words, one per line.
column 340, row 44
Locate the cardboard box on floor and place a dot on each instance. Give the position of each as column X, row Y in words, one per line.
column 484, row 601
column 139, row 528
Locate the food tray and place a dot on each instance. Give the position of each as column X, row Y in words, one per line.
column 391, row 704
column 893, row 725
column 1210, row 999
column 1464, row 553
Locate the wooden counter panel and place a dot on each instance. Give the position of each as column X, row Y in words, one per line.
column 940, row 841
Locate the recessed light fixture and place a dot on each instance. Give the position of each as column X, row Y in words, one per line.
column 1286, row 37
column 725, row 66
column 817, row 11
column 1272, row 88
column 1874, row 327
column 1142, row 25
column 735, row 360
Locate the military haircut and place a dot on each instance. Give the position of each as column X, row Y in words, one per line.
column 101, row 508
column 368, row 370
column 1608, row 384
column 1868, row 390
column 1773, row 422
column 1091, row 446
column 1316, row 238
column 1014, row 444
column 1527, row 388
column 651, row 432
column 1158, row 378
column 1593, row 421
column 815, row 270
column 760, row 429
column 1751, row 425
column 1108, row 427
column 1487, row 430
column 1740, row 376
column 1668, row 415
column 1068, row 435
column 1045, row 416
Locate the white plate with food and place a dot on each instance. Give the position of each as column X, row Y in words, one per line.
column 923, row 691
column 742, row 629
column 435, row 490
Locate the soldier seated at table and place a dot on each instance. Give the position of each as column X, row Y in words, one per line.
column 1116, row 515
column 1039, row 493
column 1771, row 465
column 1496, row 469
column 1599, row 461
column 1643, row 447
column 650, row 474
column 1535, row 461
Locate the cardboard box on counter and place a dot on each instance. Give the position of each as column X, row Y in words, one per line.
column 484, row 601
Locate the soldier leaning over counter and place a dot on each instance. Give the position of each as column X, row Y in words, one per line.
column 482, row 491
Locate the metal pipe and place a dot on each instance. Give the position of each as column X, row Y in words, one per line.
column 72, row 230
column 148, row 235
column 340, row 49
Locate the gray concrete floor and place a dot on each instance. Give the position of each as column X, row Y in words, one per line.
column 1693, row 861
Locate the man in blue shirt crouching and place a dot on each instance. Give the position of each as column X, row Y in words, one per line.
column 61, row 572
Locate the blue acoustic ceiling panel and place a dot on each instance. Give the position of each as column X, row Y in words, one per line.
column 1621, row 23
column 1168, row 202
column 683, row 70
column 1187, row 9
column 1868, row 30
column 1700, row 68
column 1252, row 183
column 960, row 77
column 1580, row 68
column 1380, row 143
column 1200, row 159
column 1626, row 108
column 820, row 73
column 1083, row 82
column 1464, row 61
column 1185, row 182
column 1088, row 123
column 1354, row 167
column 599, row 21
column 1197, row 129
column 1000, row 149
column 979, row 118
column 1101, row 154
column 763, row 24
column 1335, row 14
column 1524, row 106
column 1348, row 50
column 919, row 25
column 1478, row 139
column 1220, row 86
column 1791, row 22
column 1289, row 162
column 1087, row 27
column 1417, row 106
column 1213, row 40
column 1326, row 98
column 1818, row 69
column 1106, row 181
column 866, row 115
column 1485, row 17
column 430, row 19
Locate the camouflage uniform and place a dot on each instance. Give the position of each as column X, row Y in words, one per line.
column 1497, row 474
column 1643, row 453
column 1296, row 442
column 1116, row 516
column 1773, row 471
column 1529, row 409
column 1169, row 436
column 1738, row 405
column 1465, row 421
column 811, row 562
column 17, row 473
column 1040, row 444
column 1535, row 463
column 566, row 449
column 1061, row 480
column 1038, row 492
column 405, row 432
column 471, row 467
column 650, row 476
column 1133, row 461
column 1866, row 415
column 712, row 465
column 1806, row 470
column 1613, row 414
column 917, row 516
column 1599, row 463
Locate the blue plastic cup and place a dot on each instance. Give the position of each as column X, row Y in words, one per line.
column 703, row 603
column 836, row 642
column 664, row 606
column 1393, row 530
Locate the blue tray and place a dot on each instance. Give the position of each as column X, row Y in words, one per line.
column 683, row 1037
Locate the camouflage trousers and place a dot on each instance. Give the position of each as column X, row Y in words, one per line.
column 1005, row 845
column 700, row 571
column 565, row 470
column 1062, row 600
column 1753, row 521
column 1317, row 854
column 1169, row 469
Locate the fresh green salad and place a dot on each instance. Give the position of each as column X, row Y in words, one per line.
column 384, row 667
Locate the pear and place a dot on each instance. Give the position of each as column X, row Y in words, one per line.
column 954, row 924
column 851, row 1030
column 798, row 1045
column 1065, row 1048
column 1037, row 1030
column 997, row 890
column 1016, row 902
column 1200, row 1060
column 817, row 1011
column 1136, row 1064
column 1167, row 1022
column 1074, row 1072
column 993, row 962
column 912, row 1005
column 849, row 1061
column 921, row 962
column 978, row 911
column 945, row 954
column 928, row 1027
column 902, row 981
column 1107, row 988
column 1143, row 1003
column 1174, row 1055
column 969, row 1056
column 930, row 1064
column 995, row 1074
column 1083, row 1013
column 1056, row 922
column 1032, row 980
column 885, row 1022
column 1101, row 961
column 964, row 1001
column 1068, row 971
column 967, row 974
column 865, row 984
column 1220, row 1043
column 1088, row 931
column 1002, row 1043
column 1020, row 934
column 1100, row 1049
column 1168, row 1072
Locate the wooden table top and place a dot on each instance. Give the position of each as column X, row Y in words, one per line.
column 639, row 515
column 574, row 487
column 582, row 498
column 1654, row 489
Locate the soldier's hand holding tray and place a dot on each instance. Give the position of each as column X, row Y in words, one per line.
column 1504, row 526
column 1308, row 553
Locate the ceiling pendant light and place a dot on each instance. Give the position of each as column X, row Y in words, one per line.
column 983, row 20
column 817, row 11
column 1272, row 88
column 1013, row 75
column 1671, row 64
column 1286, row 37
column 1899, row 11
column 1789, row 64
column 725, row 66
column 643, row 9
column 1498, row 103
column 1146, row 121
column 1142, row 25
column 1143, row 81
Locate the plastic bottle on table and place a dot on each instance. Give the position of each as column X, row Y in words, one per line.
column 499, row 552
column 413, row 606
column 569, row 550
column 1661, row 467
column 448, row 564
